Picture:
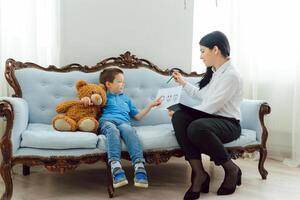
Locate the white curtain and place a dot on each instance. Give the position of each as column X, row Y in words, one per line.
column 29, row 32
column 264, row 37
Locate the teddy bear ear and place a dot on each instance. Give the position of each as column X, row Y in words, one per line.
column 80, row 83
column 102, row 86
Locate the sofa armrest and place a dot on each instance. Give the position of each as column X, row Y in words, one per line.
column 16, row 112
column 253, row 113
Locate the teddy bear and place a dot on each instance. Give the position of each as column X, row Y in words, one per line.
column 74, row 115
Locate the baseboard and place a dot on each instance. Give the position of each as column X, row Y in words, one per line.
column 279, row 152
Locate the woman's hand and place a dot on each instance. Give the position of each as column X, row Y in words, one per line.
column 86, row 101
column 170, row 113
column 178, row 78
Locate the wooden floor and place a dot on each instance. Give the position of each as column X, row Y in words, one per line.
column 167, row 181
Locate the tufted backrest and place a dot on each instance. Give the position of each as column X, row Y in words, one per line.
column 142, row 85
column 43, row 90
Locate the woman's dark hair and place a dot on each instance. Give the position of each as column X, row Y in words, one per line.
column 207, row 76
column 218, row 39
column 109, row 75
column 210, row 40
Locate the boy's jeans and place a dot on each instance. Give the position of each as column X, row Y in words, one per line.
column 114, row 132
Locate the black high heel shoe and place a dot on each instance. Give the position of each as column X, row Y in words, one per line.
column 190, row 195
column 226, row 191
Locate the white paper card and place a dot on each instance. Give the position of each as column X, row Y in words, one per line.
column 169, row 96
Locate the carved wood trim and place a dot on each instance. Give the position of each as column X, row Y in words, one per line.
column 9, row 74
column 264, row 110
column 59, row 163
column 157, row 157
column 126, row 61
column 6, row 110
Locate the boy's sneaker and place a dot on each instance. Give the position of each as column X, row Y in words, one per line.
column 140, row 176
column 119, row 178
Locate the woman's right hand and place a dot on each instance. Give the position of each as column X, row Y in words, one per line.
column 179, row 78
column 170, row 113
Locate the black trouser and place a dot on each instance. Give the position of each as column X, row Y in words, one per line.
column 198, row 132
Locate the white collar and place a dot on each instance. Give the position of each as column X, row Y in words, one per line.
column 222, row 68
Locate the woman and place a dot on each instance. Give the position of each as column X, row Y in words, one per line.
column 220, row 92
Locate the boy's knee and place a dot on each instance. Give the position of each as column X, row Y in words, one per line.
column 126, row 128
column 108, row 128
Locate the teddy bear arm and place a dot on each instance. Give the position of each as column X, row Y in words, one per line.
column 63, row 107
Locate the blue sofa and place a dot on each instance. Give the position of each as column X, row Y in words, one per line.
column 29, row 138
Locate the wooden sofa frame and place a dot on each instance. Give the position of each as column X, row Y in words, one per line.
column 61, row 163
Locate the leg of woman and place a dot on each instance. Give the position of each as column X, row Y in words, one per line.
column 210, row 134
column 181, row 120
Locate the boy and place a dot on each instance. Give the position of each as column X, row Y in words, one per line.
column 115, row 124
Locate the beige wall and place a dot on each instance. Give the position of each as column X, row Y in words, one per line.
column 158, row 30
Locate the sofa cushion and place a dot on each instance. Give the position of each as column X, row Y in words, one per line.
column 26, row 151
column 43, row 136
column 247, row 137
column 162, row 137
column 156, row 137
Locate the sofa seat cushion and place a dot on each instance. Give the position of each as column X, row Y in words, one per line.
column 43, row 136
column 247, row 137
column 153, row 138
column 46, row 153
column 162, row 137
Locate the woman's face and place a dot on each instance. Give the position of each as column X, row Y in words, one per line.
column 207, row 56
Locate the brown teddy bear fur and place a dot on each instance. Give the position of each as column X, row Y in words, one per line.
column 73, row 115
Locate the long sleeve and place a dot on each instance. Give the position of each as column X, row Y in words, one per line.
column 220, row 96
column 194, row 91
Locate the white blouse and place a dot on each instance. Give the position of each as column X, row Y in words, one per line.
column 222, row 95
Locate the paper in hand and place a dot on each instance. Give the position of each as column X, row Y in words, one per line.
column 169, row 96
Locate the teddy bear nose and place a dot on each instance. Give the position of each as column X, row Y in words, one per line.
column 96, row 99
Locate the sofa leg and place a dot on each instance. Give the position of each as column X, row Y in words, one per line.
column 262, row 158
column 110, row 188
column 26, row 170
column 5, row 170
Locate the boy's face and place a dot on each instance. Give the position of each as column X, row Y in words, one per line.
column 117, row 85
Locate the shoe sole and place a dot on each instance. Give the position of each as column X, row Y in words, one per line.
column 141, row 185
column 120, row 184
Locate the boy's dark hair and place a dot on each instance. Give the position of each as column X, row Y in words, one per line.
column 109, row 75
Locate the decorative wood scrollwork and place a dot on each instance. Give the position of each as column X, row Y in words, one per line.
column 6, row 110
column 126, row 60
